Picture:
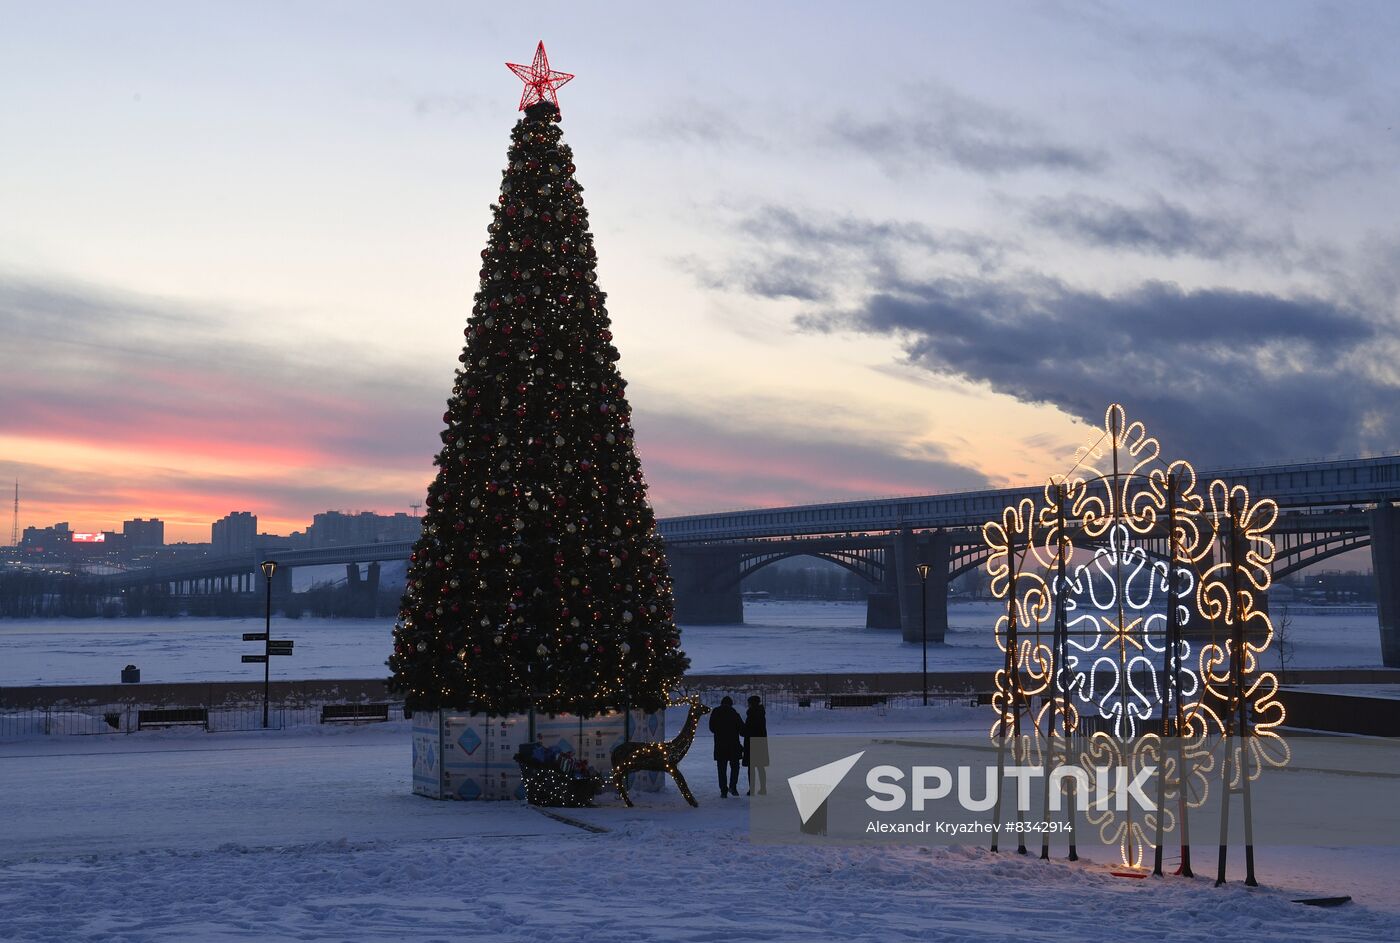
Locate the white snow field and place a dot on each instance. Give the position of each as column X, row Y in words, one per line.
column 313, row 835
column 776, row 637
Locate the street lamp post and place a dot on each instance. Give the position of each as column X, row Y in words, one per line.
column 923, row 569
column 268, row 567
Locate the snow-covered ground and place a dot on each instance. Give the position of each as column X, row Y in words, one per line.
column 776, row 637
column 313, row 835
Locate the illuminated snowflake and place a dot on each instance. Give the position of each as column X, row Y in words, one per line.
column 1090, row 633
column 1116, row 612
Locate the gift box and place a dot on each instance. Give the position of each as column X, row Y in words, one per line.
column 427, row 754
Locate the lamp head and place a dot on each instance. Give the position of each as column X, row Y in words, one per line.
column 923, row 569
column 269, row 567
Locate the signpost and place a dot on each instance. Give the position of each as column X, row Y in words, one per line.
column 271, row 646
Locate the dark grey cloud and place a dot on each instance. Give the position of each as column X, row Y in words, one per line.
column 1223, row 375
column 936, row 125
column 86, row 363
column 772, row 223
column 1228, row 374
column 940, row 125
column 694, row 123
column 1303, row 65
column 787, row 276
column 1316, row 60
column 91, row 365
column 809, row 256
column 1156, row 227
column 1284, row 171
column 430, row 104
column 700, row 463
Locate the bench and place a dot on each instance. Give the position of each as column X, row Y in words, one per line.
column 354, row 713
column 856, row 700
column 173, row 717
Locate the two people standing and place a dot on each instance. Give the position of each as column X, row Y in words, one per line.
column 740, row 740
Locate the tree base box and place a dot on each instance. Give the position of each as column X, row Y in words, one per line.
column 458, row 756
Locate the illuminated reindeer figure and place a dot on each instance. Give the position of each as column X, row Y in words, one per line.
column 665, row 757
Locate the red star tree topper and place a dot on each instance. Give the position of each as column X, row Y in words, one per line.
column 540, row 81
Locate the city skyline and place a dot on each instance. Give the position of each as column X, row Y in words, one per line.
column 914, row 249
column 145, row 528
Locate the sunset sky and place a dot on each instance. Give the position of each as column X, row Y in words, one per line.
column 850, row 249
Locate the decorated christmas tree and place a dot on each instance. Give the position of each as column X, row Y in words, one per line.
column 539, row 581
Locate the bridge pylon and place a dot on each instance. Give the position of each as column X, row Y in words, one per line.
column 910, row 550
column 1385, row 563
column 705, row 583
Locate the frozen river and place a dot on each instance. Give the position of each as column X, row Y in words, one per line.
column 777, row 636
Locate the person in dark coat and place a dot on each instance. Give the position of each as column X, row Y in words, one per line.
column 756, row 744
column 729, row 748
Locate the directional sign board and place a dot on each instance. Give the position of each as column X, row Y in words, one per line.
column 259, row 659
column 279, row 647
column 255, row 636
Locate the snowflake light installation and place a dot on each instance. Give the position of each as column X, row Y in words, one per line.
column 1108, row 580
column 1116, row 614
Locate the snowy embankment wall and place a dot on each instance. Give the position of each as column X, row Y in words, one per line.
column 309, row 693
column 212, row 694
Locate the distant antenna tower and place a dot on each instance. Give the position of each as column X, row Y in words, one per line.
column 14, row 527
column 415, row 508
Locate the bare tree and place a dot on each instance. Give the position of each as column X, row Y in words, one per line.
column 1283, row 634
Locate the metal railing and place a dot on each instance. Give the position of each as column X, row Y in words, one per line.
column 108, row 720
column 99, row 720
